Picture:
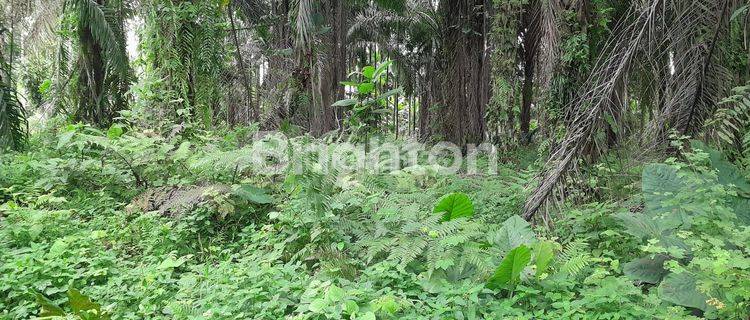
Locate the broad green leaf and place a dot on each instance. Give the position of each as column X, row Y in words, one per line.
column 345, row 103
column 544, row 252
column 390, row 93
column 64, row 139
column 639, row 225
column 647, row 269
column 45, row 86
column 508, row 273
column 367, row 316
column 455, row 205
column 368, row 72
column 170, row 262
column 680, row 289
column 81, row 303
column 253, row 194
column 183, row 151
column 49, row 308
column 115, row 131
column 365, row 88
column 741, row 206
column 514, row 232
column 335, row 293
column 318, row 305
column 350, row 307
column 659, row 183
column 729, row 175
column 387, row 304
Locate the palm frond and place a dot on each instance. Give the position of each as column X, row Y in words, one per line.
column 13, row 123
column 663, row 34
column 304, row 24
column 102, row 21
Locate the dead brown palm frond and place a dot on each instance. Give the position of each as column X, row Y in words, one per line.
column 593, row 103
column 44, row 20
column 304, row 25
column 417, row 25
column 678, row 41
column 549, row 39
column 253, row 10
column 697, row 80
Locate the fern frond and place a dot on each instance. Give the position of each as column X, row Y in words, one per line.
column 573, row 266
column 409, row 250
column 574, row 259
column 730, row 124
column 480, row 259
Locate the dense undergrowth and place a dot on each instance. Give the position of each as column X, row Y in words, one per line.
column 309, row 245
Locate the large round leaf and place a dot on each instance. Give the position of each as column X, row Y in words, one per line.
column 455, row 205
column 508, row 274
column 253, row 194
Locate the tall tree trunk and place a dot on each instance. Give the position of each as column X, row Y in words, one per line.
column 92, row 106
column 529, row 50
column 333, row 69
column 464, row 56
column 280, row 68
column 243, row 71
column 528, row 97
column 429, row 87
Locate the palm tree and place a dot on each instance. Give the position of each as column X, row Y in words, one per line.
column 13, row 124
column 102, row 67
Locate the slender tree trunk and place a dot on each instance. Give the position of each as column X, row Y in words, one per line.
column 429, row 87
column 241, row 63
column 276, row 85
column 528, row 96
column 395, row 106
column 529, row 53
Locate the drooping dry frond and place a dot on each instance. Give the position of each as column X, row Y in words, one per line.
column 678, row 40
column 378, row 24
column 593, row 103
column 549, row 38
column 304, row 24
column 699, row 80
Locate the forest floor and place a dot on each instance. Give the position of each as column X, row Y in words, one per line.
column 78, row 236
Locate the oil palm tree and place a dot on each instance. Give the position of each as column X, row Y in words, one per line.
column 13, row 124
column 102, row 69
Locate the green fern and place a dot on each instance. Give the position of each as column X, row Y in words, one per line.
column 730, row 126
column 574, row 258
